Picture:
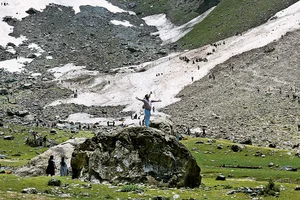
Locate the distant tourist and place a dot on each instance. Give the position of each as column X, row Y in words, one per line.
column 45, row 140
column 147, row 107
column 51, row 166
column 63, row 167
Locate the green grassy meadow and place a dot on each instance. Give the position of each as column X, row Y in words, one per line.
column 211, row 160
column 232, row 17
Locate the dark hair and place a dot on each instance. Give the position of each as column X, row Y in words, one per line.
column 51, row 157
column 147, row 96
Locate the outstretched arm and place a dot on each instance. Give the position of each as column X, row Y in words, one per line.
column 153, row 101
column 139, row 99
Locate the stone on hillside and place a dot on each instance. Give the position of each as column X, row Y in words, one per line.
column 9, row 20
column 272, row 145
column 27, row 86
column 221, row 178
column 163, row 124
column 8, row 137
column 54, row 182
column 134, row 154
column 29, row 191
column 236, row 148
column 53, row 131
column 32, row 55
column 22, row 113
column 270, row 164
column 31, row 11
column 3, row 156
column 247, row 141
column 3, row 91
column 10, row 113
column 10, row 44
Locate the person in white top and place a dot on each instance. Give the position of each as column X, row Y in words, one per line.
column 147, row 107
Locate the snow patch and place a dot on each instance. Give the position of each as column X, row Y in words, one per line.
column 36, row 74
column 36, row 47
column 123, row 23
column 11, row 50
column 60, row 71
column 167, row 31
column 14, row 65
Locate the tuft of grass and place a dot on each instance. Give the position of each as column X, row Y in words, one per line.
column 232, row 17
column 130, row 188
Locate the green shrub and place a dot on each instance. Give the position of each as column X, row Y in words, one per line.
column 271, row 189
column 54, row 182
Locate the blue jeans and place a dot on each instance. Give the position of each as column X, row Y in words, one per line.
column 147, row 117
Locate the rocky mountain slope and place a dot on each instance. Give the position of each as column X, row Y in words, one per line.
column 253, row 95
column 250, row 97
column 87, row 38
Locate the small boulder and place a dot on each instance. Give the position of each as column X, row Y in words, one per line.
column 236, row 148
column 27, row 86
column 270, row 164
column 221, row 178
column 32, row 55
column 3, row 91
column 54, row 182
column 22, row 113
column 53, row 131
column 8, row 137
column 272, row 145
column 29, row 191
column 247, row 141
column 31, row 11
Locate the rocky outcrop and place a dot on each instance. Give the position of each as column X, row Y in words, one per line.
column 162, row 123
column 134, row 155
column 37, row 166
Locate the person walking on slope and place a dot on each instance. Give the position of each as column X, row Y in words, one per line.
column 147, row 107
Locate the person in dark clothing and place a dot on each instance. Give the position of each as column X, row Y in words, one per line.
column 51, row 166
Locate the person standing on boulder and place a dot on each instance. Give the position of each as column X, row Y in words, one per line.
column 147, row 107
column 51, row 166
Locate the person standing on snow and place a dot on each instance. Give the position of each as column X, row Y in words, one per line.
column 147, row 107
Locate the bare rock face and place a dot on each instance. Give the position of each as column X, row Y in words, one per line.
column 37, row 166
column 162, row 123
column 133, row 155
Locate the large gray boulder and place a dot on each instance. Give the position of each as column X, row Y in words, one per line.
column 134, row 155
